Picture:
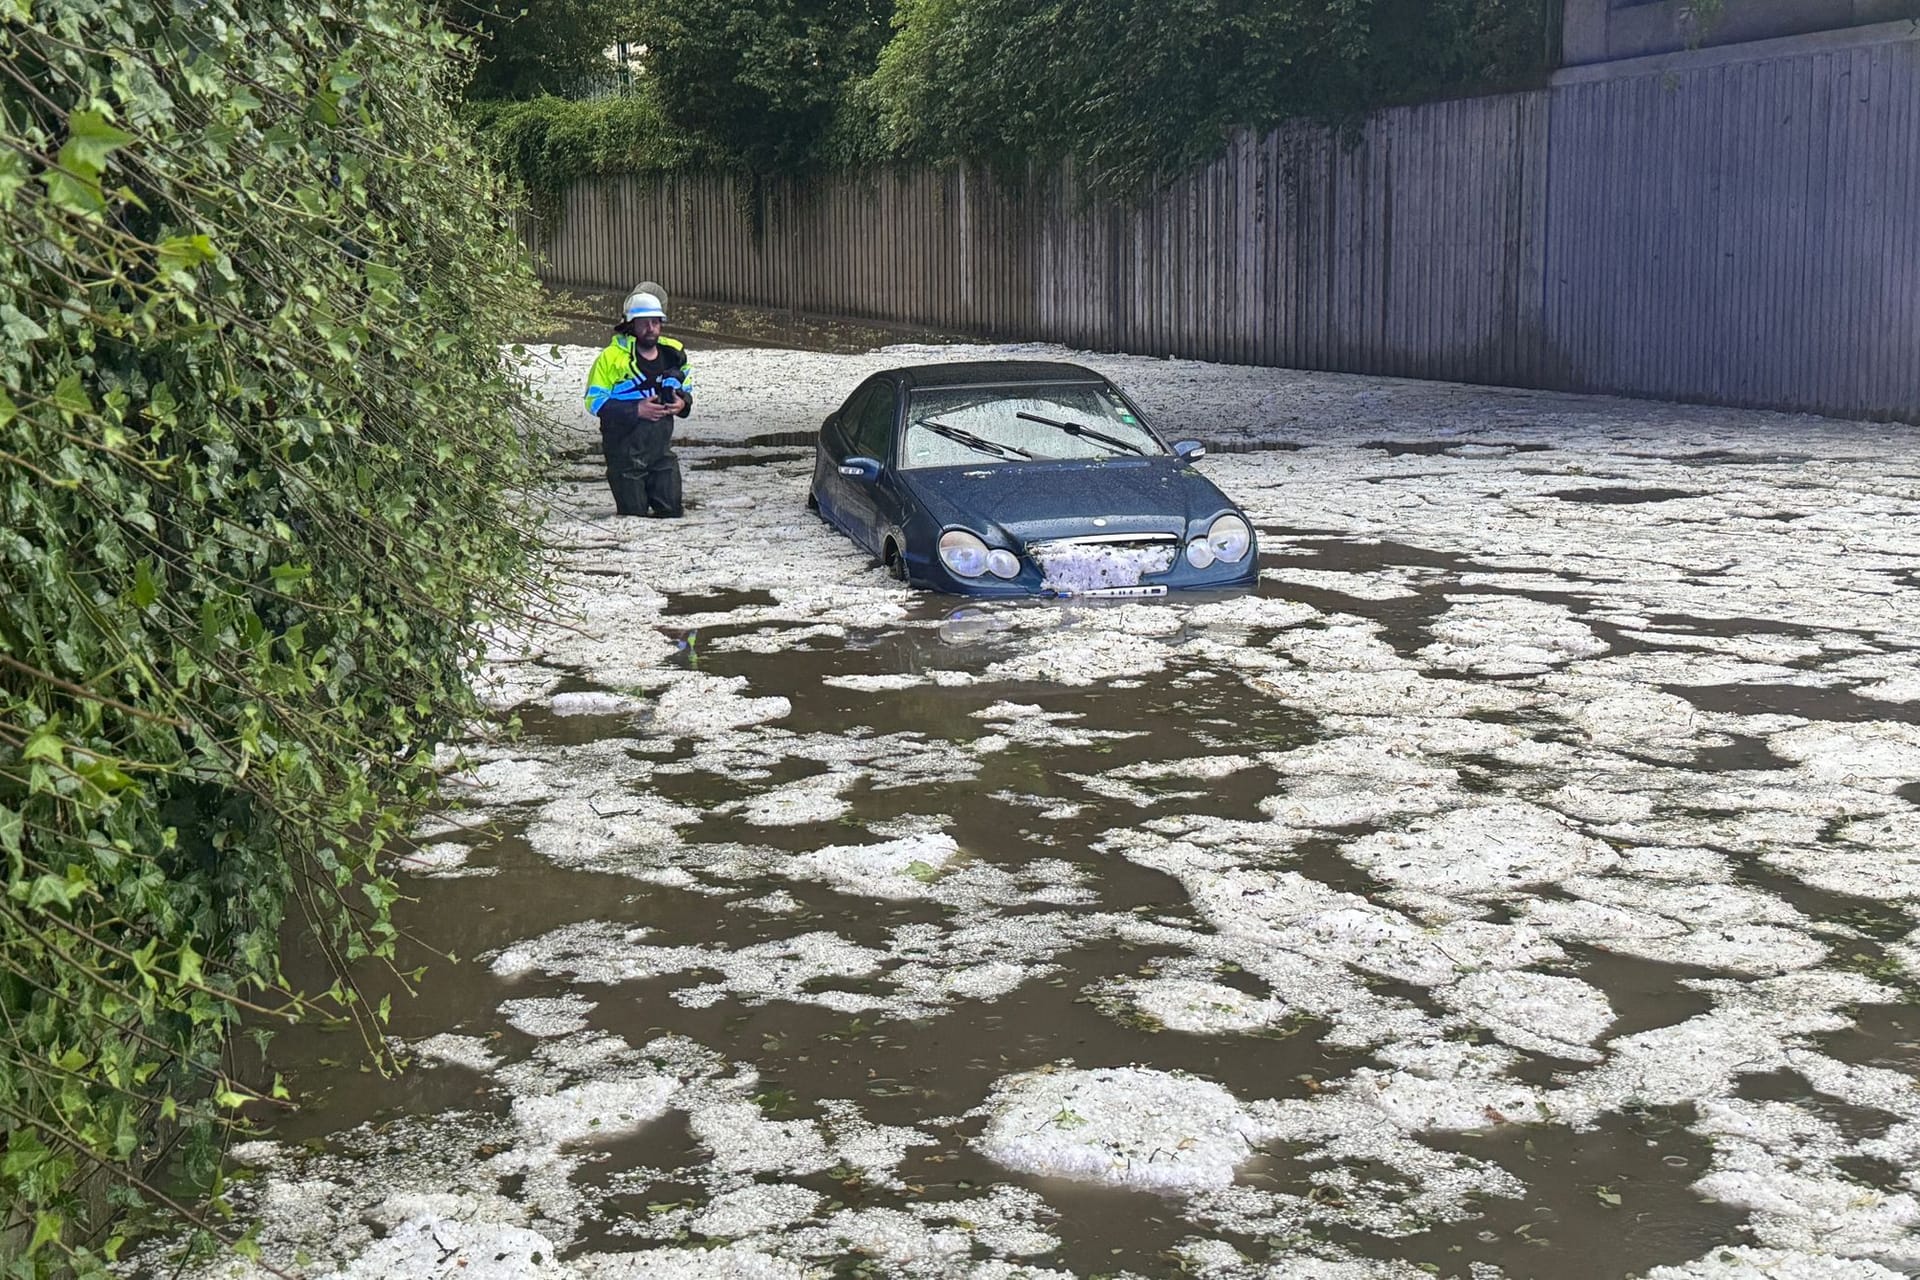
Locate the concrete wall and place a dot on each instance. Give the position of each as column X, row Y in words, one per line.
column 1607, row 30
column 1737, row 225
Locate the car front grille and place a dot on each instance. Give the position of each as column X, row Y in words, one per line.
column 1101, row 562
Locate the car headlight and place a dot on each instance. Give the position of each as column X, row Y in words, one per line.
column 1199, row 554
column 1228, row 538
column 963, row 553
column 1003, row 564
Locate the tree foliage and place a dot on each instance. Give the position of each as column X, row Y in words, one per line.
column 1136, row 90
column 761, row 83
column 257, row 458
column 1133, row 90
column 549, row 143
column 526, row 48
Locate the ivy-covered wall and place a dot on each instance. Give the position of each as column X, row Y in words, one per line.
column 258, row 459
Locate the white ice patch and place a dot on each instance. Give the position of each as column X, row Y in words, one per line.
column 1743, row 1262
column 1484, row 851
column 755, row 1209
column 700, row 706
column 729, row 1262
column 431, row 1248
column 1539, row 1012
column 470, row 1052
column 545, row 1017
column 1384, row 584
column 1507, row 635
column 875, row 684
column 593, row 1110
column 817, row 798
column 1126, row 1126
column 594, row 703
column 897, row 869
column 1874, row 753
column 1198, row 1007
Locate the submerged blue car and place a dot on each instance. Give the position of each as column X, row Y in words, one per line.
column 1015, row 477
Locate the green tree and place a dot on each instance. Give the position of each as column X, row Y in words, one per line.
column 259, row 454
column 1137, row 90
column 761, row 83
column 526, row 48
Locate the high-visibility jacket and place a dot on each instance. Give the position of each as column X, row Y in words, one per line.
column 619, row 373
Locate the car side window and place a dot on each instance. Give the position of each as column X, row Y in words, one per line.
column 842, row 438
column 873, row 430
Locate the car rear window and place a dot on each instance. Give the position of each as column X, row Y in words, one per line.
column 992, row 416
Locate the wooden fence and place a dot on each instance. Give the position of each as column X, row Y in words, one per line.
column 1736, row 226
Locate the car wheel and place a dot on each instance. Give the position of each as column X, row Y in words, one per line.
column 896, row 563
column 813, row 502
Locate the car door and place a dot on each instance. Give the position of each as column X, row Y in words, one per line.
column 848, row 500
column 871, row 432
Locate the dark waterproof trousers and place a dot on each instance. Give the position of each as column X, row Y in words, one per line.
column 642, row 469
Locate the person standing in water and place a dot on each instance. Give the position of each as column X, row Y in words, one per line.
column 637, row 387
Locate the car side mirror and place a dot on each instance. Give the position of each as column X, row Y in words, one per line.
column 860, row 468
column 1189, row 450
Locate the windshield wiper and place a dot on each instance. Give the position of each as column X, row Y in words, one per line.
column 972, row 441
column 1075, row 429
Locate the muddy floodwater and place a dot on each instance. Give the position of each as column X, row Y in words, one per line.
column 1521, row 881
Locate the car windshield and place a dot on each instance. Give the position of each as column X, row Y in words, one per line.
column 982, row 426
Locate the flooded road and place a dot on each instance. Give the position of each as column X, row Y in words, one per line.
column 1520, row 882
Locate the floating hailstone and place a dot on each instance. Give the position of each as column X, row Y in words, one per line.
column 1856, row 753
column 1743, row 1262
column 594, row 703
column 458, row 1051
column 1482, row 851
column 1202, row 1008
column 874, row 684
column 596, row 1109
column 731, row 1262
column 1539, row 1012
column 700, row 706
column 545, row 1017
column 429, row 1248
column 1124, row 1126
column 897, row 869
column 812, row 799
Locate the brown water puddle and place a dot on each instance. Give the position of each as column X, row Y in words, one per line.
column 1604, row 1203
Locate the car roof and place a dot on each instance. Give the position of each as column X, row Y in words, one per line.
column 971, row 373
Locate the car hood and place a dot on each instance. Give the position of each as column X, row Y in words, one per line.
column 1032, row 502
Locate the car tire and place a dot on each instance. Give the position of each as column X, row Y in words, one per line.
column 896, row 563
column 813, row 501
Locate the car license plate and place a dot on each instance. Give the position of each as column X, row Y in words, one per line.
column 1119, row 593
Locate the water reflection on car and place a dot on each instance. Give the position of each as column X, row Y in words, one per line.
column 1017, row 477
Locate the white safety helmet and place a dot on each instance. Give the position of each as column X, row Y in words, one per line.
column 644, row 305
